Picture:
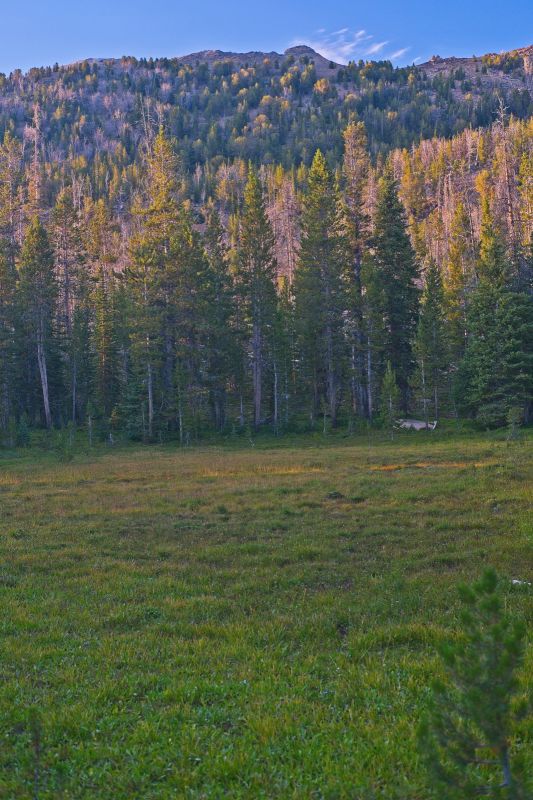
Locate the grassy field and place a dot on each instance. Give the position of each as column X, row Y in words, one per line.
column 243, row 622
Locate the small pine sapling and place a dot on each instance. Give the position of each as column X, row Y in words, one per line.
column 514, row 421
column 465, row 737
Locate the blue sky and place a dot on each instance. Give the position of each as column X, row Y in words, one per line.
column 40, row 32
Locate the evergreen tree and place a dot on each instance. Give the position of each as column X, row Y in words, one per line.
column 356, row 168
column 283, row 355
column 493, row 266
column 466, row 737
column 161, row 219
column 222, row 351
column 107, row 375
column 524, row 280
column 397, row 270
column 73, row 318
column 431, row 347
column 389, row 399
column 497, row 370
column 38, row 296
column 189, row 288
column 413, row 194
column 8, row 362
column 153, row 289
column 320, row 293
column 11, row 183
column 374, row 333
column 256, row 287
column 460, row 280
column 139, row 402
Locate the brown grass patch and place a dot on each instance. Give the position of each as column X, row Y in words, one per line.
column 430, row 465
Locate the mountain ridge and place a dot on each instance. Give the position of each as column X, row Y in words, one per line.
column 92, row 116
column 213, row 55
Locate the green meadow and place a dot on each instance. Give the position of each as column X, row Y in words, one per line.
column 237, row 621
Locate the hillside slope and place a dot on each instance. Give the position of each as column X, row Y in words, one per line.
column 256, row 106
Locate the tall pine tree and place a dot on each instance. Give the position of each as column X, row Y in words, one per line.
column 320, row 293
column 221, row 347
column 8, row 362
column 431, row 347
column 356, row 166
column 73, row 301
column 153, row 290
column 256, row 288
column 38, row 297
column 460, row 279
column 397, row 271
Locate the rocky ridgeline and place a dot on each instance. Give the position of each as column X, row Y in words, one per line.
column 322, row 65
column 510, row 70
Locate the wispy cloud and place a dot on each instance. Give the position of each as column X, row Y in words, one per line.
column 375, row 48
column 399, row 53
column 346, row 45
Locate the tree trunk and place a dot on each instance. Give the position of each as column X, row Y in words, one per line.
column 150, row 388
column 331, row 382
column 276, row 405
column 180, row 419
column 508, row 781
column 424, row 398
column 257, row 373
column 41, row 360
column 354, row 381
column 369, row 379
column 74, row 390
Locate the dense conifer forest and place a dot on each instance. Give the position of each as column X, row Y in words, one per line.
column 223, row 243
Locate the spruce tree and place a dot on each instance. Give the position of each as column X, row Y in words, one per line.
column 493, row 265
column 11, row 358
column 153, row 287
column 356, row 166
column 496, row 372
column 459, row 281
column 374, row 334
column 256, row 273
column 73, row 318
column 431, row 347
column 524, row 279
column 320, row 293
column 283, row 356
column 389, row 399
column 221, row 348
column 397, row 271
column 106, row 341
column 466, row 737
column 8, row 363
column 11, row 184
column 190, row 297
column 38, row 297
column 145, row 346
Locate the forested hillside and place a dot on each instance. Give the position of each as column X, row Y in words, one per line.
column 267, row 107
column 224, row 242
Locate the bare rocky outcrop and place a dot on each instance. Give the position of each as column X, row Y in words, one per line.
column 323, row 65
column 509, row 70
